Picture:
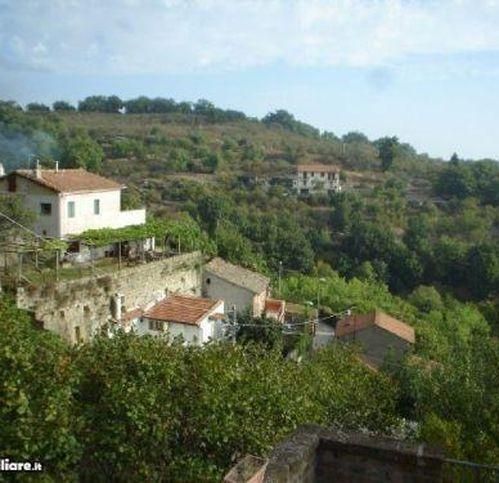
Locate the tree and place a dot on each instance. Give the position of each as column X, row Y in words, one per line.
column 62, row 106
column 81, row 151
column 211, row 161
column 483, row 269
column 37, row 107
column 456, row 180
column 355, row 137
column 261, row 330
column 38, row 412
column 387, row 148
column 111, row 104
column 13, row 207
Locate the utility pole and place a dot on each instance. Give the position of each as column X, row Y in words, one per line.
column 280, row 277
column 234, row 320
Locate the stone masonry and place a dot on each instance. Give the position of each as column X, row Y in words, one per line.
column 77, row 309
column 314, row 454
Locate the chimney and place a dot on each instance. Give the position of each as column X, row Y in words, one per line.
column 38, row 170
column 57, row 166
column 2, row 170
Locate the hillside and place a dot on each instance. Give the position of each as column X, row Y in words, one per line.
column 413, row 236
column 415, row 221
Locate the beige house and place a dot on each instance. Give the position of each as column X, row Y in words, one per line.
column 316, row 178
column 70, row 201
column 238, row 287
column 379, row 335
column 196, row 320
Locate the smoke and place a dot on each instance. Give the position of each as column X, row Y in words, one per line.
column 18, row 150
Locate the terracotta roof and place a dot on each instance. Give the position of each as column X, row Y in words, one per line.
column 131, row 314
column 358, row 322
column 275, row 308
column 183, row 309
column 320, row 168
column 253, row 281
column 69, row 180
column 274, row 305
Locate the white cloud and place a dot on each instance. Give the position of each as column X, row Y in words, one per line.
column 161, row 36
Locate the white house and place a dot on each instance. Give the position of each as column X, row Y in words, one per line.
column 316, row 178
column 70, row 201
column 238, row 287
column 197, row 320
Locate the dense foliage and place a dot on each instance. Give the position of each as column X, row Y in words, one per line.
column 145, row 409
column 410, row 235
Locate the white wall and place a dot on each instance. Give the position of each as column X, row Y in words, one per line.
column 58, row 224
column 207, row 329
column 32, row 195
column 317, row 182
column 110, row 215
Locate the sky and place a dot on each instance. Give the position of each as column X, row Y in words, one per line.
column 426, row 71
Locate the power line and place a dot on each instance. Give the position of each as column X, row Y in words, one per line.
column 8, row 218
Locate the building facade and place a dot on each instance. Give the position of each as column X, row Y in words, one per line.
column 67, row 202
column 194, row 319
column 240, row 289
column 316, row 178
column 379, row 334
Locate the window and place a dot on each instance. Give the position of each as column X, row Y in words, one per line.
column 77, row 334
column 96, row 207
column 155, row 325
column 45, row 208
column 208, row 281
column 71, row 209
column 322, row 175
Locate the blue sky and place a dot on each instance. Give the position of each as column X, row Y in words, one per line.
column 425, row 70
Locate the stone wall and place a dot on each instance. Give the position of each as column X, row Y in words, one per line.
column 77, row 309
column 313, row 454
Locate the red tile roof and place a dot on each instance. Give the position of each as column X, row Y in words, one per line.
column 358, row 322
column 317, row 168
column 69, row 180
column 131, row 314
column 274, row 305
column 183, row 309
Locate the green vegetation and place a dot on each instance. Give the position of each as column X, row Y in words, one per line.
column 413, row 236
column 144, row 409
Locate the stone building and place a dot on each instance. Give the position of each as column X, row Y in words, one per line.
column 379, row 335
column 78, row 309
column 316, row 178
column 238, row 287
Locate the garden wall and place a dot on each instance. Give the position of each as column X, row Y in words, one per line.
column 77, row 309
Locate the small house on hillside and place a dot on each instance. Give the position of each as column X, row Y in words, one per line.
column 70, row 201
column 238, row 287
column 316, row 178
column 379, row 335
column 197, row 320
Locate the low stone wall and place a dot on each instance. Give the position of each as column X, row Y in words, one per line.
column 313, row 454
column 78, row 308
